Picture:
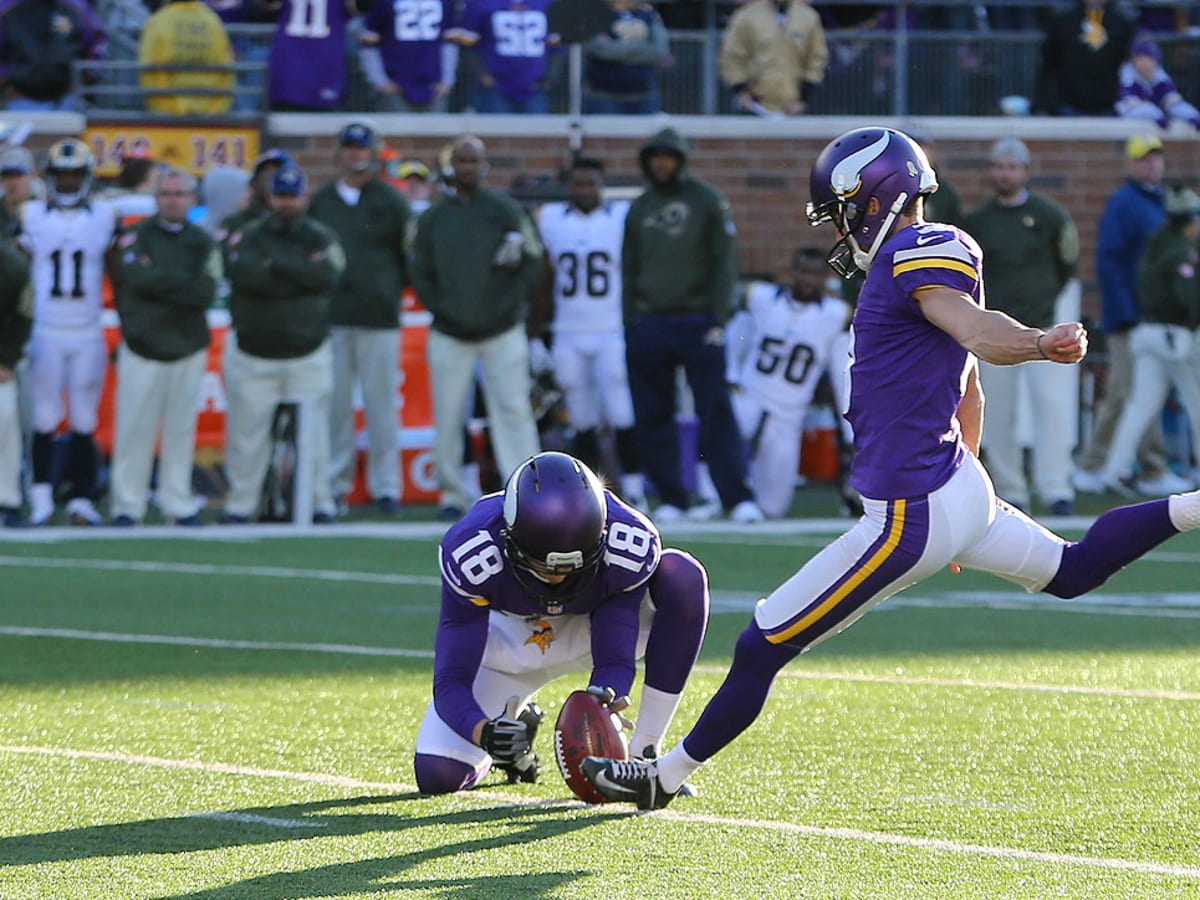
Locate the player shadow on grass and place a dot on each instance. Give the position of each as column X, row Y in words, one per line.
column 238, row 828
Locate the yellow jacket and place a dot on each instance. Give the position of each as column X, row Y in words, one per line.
column 186, row 33
column 771, row 58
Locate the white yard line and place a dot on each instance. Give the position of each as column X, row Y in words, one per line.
column 249, row 819
column 361, row 650
column 111, row 637
column 688, row 818
column 211, row 569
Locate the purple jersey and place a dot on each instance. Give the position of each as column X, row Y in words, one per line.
column 907, row 376
column 409, row 35
column 308, row 54
column 477, row 579
column 511, row 38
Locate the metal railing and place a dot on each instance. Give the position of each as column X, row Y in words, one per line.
column 901, row 72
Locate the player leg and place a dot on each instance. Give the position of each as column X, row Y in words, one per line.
column 1020, row 550
column 1055, row 394
column 521, row 655
column 650, row 362
column 254, row 388
column 775, row 462
column 342, row 445
column 141, row 402
column 452, row 379
column 618, row 412
column 678, row 599
column 47, row 385
column 185, row 378
column 704, row 364
column 10, row 452
column 86, row 368
column 378, row 361
column 1001, row 446
column 311, row 377
column 571, row 373
column 506, row 391
column 896, row 544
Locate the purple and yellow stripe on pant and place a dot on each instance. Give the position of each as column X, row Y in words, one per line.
column 878, row 573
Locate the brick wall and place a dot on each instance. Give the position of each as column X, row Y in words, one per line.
column 766, row 179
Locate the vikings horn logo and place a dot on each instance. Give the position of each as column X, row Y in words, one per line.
column 543, row 634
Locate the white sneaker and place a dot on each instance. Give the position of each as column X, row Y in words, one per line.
column 1088, row 482
column 41, row 504
column 667, row 514
column 704, row 512
column 1167, row 483
column 80, row 511
column 746, row 513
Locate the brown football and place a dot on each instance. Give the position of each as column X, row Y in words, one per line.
column 586, row 728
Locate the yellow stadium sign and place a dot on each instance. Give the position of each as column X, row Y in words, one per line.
column 196, row 148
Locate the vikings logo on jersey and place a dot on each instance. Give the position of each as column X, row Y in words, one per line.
column 542, row 636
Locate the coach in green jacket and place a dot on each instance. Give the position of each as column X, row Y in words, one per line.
column 282, row 271
column 16, row 321
column 166, row 274
column 371, row 220
column 678, row 271
column 476, row 260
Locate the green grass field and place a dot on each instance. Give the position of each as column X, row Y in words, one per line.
column 233, row 716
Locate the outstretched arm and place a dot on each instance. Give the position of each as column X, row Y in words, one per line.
column 996, row 337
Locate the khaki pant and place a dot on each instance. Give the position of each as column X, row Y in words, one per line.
column 370, row 357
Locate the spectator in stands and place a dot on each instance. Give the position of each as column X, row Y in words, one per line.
column 678, row 270
column 511, row 40
column 1148, row 93
column 620, row 74
column 262, row 177
column 773, row 56
column 40, row 40
column 1032, row 247
column 308, row 55
column 184, row 47
column 16, row 173
column 1133, row 212
column 406, row 58
column 1162, row 341
column 475, row 262
column 166, row 270
column 248, row 49
column 1082, row 53
column 371, row 221
column 283, row 269
column 16, row 320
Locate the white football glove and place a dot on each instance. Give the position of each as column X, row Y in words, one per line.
column 540, row 361
column 508, row 254
column 612, row 703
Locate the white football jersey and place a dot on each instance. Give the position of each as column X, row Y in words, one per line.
column 585, row 251
column 786, row 346
column 67, row 247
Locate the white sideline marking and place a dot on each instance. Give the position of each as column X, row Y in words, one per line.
column 71, row 634
column 359, row 650
column 945, row 846
column 250, row 819
column 209, row 569
column 1091, row 690
column 844, row 834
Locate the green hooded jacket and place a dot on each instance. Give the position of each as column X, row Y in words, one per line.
column 16, row 304
column 678, row 255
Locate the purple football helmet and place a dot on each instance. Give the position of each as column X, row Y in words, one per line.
column 556, row 518
column 861, row 182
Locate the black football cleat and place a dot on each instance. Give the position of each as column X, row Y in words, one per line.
column 628, row 781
